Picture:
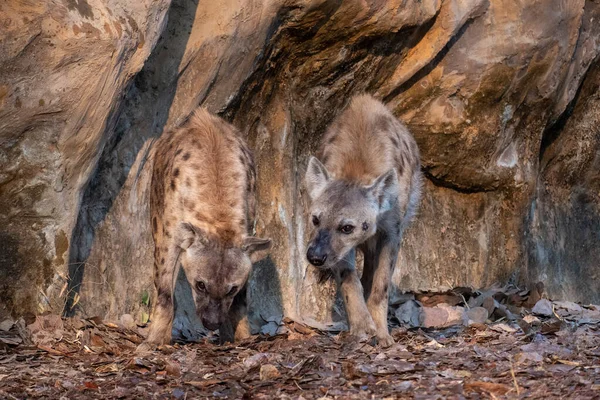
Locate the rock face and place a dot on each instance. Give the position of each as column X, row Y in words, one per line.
column 502, row 96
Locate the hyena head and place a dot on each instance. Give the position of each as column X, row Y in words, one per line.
column 344, row 214
column 216, row 271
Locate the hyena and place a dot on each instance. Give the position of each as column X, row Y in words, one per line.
column 202, row 205
column 363, row 196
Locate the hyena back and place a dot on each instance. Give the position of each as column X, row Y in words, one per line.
column 363, row 196
column 202, row 207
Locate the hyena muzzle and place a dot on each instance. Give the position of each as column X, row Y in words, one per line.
column 202, row 205
column 363, row 196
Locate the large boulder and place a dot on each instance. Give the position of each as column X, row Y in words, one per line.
column 64, row 68
column 492, row 91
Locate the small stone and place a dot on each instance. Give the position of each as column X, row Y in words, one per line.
column 127, row 321
column 442, row 316
column 543, row 307
column 477, row 315
column 404, row 386
column 456, row 314
column 433, row 317
column 6, row 325
column 408, row 314
column 532, row 320
column 268, row 372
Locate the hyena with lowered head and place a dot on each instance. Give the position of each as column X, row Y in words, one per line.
column 202, row 208
column 363, row 196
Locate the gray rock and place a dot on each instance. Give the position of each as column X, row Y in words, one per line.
column 477, row 315
column 543, row 307
column 408, row 314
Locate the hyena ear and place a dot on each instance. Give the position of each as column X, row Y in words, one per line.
column 256, row 248
column 385, row 190
column 316, row 178
column 188, row 234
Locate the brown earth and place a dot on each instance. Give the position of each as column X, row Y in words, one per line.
column 502, row 96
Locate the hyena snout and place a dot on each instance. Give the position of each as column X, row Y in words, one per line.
column 319, row 248
column 212, row 316
column 316, row 255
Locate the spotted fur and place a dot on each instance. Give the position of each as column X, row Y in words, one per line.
column 202, row 205
column 363, row 196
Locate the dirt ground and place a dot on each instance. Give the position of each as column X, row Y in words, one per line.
column 54, row 358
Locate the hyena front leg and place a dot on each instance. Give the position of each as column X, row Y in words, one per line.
column 359, row 320
column 377, row 297
column 236, row 327
column 166, row 267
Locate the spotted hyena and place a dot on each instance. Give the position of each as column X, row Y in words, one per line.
column 363, row 196
column 202, row 206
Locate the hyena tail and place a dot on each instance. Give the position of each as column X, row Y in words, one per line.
column 414, row 198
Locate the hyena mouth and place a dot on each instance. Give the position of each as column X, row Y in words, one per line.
column 325, row 275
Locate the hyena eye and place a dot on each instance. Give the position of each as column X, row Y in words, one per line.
column 347, row 229
column 201, row 286
column 232, row 291
column 315, row 220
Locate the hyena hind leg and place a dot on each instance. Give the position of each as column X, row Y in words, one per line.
column 162, row 321
column 377, row 301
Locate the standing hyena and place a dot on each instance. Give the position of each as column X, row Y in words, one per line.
column 202, row 205
column 363, row 196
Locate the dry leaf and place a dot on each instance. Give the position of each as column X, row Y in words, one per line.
column 489, row 387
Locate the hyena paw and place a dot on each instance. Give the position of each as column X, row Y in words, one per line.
column 145, row 347
column 385, row 339
column 363, row 331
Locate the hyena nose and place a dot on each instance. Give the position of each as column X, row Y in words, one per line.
column 210, row 324
column 315, row 257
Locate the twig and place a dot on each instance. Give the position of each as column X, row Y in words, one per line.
column 512, row 372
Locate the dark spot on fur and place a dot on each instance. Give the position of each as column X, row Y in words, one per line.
column 154, row 225
column 168, row 234
column 365, row 226
column 394, row 141
column 186, row 156
column 331, row 139
column 344, row 274
column 162, row 261
column 400, row 162
column 176, row 172
column 384, row 123
column 178, row 152
column 173, row 184
column 164, row 298
column 346, row 299
column 377, row 297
